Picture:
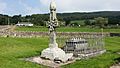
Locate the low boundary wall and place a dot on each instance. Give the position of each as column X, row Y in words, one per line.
column 43, row 34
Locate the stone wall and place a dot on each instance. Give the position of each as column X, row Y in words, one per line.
column 43, row 34
column 6, row 31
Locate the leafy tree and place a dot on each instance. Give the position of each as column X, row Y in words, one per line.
column 4, row 19
column 114, row 20
column 100, row 21
column 107, row 17
column 87, row 22
column 67, row 22
column 15, row 19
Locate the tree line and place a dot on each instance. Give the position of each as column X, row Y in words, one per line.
column 111, row 17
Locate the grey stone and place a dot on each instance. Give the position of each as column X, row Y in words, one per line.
column 53, row 51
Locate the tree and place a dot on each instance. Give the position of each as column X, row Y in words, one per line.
column 67, row 22
column 15, row 19
column 87, row 22
column 114, row 20
column 37, row 19
column 4, row 19
column 100, row 21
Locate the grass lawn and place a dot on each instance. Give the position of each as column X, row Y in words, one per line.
column 65, row 29
column 11, row 49
column 103, row 61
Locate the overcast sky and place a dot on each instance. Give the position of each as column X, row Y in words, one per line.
column 26, row 7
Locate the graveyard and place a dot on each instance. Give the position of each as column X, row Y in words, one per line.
column 59, row 40
column 11, row 49
column 24, row 44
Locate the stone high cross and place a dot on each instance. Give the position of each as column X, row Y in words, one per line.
column 53, row 52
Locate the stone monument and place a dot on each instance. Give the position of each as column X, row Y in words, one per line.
column 53, row 52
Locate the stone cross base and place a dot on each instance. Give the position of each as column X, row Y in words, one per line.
column 56, row 54
column 48, row 63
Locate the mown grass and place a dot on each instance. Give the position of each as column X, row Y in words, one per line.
column 11, row 49
column 102, row 61
column 65, row 29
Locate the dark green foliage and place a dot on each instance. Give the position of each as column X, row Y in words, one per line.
column 87, row 22
column 100, row 21
column 39, row 19
column 114, row 20
column 15, row 19
column 3, row 19
column 67, row 22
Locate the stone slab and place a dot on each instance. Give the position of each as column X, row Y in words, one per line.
column 48, row 63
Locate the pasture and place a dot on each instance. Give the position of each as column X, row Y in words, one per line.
column 66, row 29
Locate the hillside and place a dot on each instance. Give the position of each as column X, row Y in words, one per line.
column 38, row 19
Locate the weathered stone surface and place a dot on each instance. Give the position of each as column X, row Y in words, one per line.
column 53, row 52
column 56, row 53
column 49, row 63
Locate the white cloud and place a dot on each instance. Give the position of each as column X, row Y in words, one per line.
column 84, row 5
column 29, row 9
column 62, row 6
column 3, row 6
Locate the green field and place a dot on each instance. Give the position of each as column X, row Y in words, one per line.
column 80, row 22
column 11, row 49
column 65, row 29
